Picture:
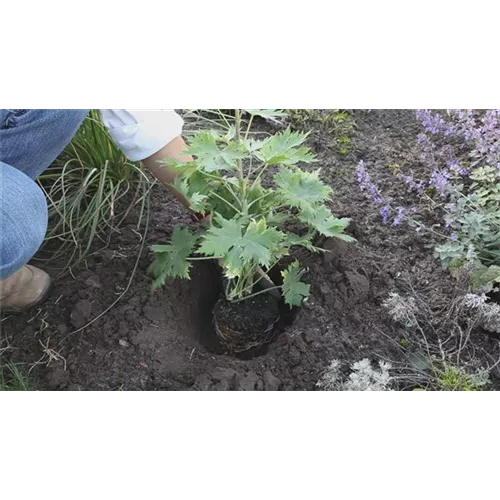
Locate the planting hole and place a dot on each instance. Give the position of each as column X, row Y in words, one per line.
column 250, row 316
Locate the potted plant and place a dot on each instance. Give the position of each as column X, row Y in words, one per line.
column 261, row 204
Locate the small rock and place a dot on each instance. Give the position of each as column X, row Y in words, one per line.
column 360, row 286
column 131, row 316
column 224, row 378
column 298, row 371
column 93, row 282
column 152, row 313
column 85, row 308
column 203, row 382
column 66, row 291
column 58, row 378
column 63, row 329
column 123, row 343
column 81, row 313
column 249, row 382
column 311, row 336
column 294, row 356
column 271, row 383
column 123, row 327
column 109, row 341
column 224, row 374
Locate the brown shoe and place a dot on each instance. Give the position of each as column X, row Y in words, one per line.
column 24, row 289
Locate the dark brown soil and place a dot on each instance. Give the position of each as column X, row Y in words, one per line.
column 161, row 341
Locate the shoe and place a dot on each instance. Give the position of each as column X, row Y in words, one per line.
column 24, row 289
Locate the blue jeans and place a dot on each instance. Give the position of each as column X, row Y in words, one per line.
column 30, row 140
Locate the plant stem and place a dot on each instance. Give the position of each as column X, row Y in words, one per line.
column 251, row 283
column 241, row 284
column 241, row 173
column 228, row 186
column 202, row 258
column 223, row 116
column 257, row 293
column 225, row 183
column 259, row 199
column 249, row 126
column 228, row 203
column 259, row 175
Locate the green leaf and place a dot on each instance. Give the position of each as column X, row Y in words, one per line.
column 261, row 200
column 187, row 169
column 198, row 202
column 269, row 114
column 204, row 144
column 300, row 155
column 231, row 133
column 219, row 240
column 253, row 145
column 285, row 149
column 277, row 218
column 420, row 361
column 238, row 247
column 301, row 189
column 233, row 265
column 450, row 252
column 210, row 157
column 234, row 181
column 171, row 260
column 181, row 185
column 321, row 219
column 485, row 276
column 234, row 151
column 456, row 266
column 293, row 239
column 259, row 243
column 294, row 290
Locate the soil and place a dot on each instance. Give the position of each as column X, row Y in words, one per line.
column 161, row 340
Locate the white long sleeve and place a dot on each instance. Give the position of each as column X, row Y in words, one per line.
column 142, row 133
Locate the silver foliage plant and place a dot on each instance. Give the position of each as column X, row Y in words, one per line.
column 363, row 377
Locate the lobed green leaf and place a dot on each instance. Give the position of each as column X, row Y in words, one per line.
column 171, row 260
column 294, row 290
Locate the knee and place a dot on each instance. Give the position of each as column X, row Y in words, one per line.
column 69, row 119
column 38, row 216
column 23, row 228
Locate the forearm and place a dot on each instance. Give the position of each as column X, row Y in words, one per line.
column 175, row 150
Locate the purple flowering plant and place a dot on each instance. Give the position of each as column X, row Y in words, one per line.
column 461, row 150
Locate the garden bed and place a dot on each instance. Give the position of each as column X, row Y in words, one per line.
column 162, row 341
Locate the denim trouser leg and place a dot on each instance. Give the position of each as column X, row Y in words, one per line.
column 30, row 140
